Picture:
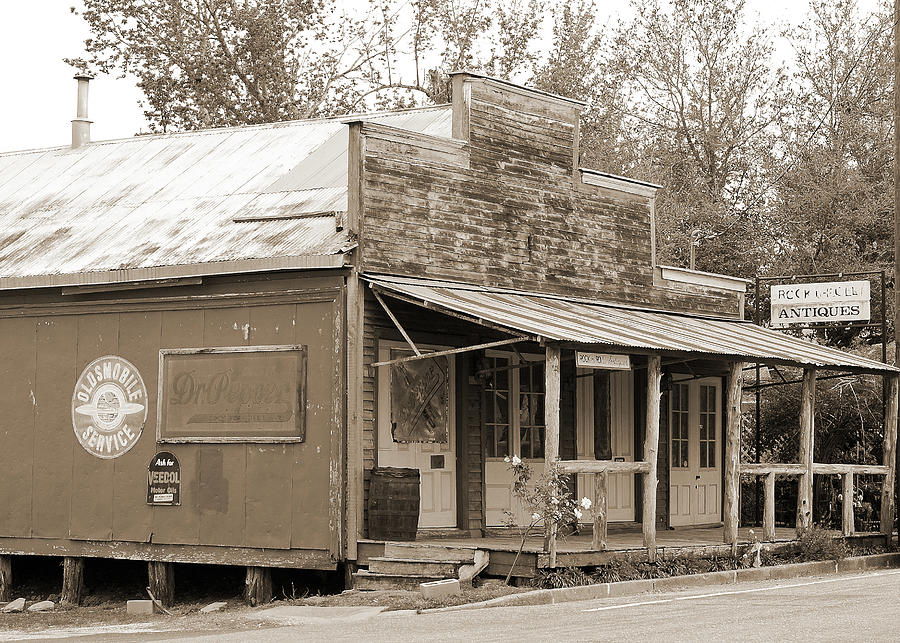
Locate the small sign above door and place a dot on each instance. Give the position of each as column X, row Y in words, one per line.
column 607, row 361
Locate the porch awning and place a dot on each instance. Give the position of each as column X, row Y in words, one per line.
column 619, row 327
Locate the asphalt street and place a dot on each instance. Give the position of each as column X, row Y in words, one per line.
column 853, row 607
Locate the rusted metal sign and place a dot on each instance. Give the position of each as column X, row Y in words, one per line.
column 608, row 361
column 420, row 400
column 164, row 480
column 237, row 394
column 822, row 302
column 109, row 407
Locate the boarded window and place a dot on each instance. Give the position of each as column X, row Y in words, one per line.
column 420, row 399
column 602, row 424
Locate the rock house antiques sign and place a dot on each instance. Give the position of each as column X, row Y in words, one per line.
column 109, row 407
column 238, row 394
column 823, row 302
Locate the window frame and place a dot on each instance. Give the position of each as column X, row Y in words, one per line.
column 514, row 384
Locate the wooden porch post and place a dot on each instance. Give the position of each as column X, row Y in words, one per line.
column 769, row 509
column 807, row 433
column 651, row 446
column 551, row 435
column 890, row 450
column 848, row 522
column 601, row 486
column 733, row 453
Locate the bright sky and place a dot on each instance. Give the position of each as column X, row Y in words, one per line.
column 37, row 102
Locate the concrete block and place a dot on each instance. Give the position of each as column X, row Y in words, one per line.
column 142, row 607
column 15, row 606
column 42, row 606
column 218, row 606
column 630, row 587
column 440, row 588
column 755, row 574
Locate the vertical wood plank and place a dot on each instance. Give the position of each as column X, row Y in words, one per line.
column 733, row 385
column 55, row 377
column 6, row 579
column 17, row 427
column 354, row 421
column 601, row 511
column 890, row 450
column 769, row 509
column 139, row 344
column 651, row 446
column 161, row 580
column 92, row 477
column 181, row 525
column 73, row 581
column 807, row 438
column 551, row 435
column 848, row 523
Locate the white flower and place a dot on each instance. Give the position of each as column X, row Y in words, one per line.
column 535, row 516
column 752, row 532
column 554, row 500
column 578, row 514
column 516, row 460
column 586, row 503
column 506, row 459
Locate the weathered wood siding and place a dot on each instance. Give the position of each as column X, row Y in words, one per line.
column 509, row 208
column 277, row 496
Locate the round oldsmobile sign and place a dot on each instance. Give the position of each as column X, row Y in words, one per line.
column 109, row 407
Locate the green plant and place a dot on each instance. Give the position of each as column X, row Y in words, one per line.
column 816, row 543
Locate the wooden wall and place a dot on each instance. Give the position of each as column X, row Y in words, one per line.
column 509, row 209
column 252, row 495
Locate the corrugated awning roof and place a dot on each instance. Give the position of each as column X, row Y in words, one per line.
column 617, row 327
column 206, row 202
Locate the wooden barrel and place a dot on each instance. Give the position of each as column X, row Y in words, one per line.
column 394, row 503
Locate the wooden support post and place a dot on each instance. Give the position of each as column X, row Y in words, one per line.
column 161, row 581
column 890, row 450
column 651, row 446
column 5, row 579
column 769, row 509
column 848, row 524
column 551, row 435
column 601, row 502
column 73, row 581
column 732, row 506
column 807, row 440
column 258, row 586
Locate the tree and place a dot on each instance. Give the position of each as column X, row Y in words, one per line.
column 205, row 63
column 702, row 94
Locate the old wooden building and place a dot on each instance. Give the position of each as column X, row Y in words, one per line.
column 210, row 340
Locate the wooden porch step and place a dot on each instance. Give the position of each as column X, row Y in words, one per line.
column 407, row 566
column 422, row 551
column 364, row 580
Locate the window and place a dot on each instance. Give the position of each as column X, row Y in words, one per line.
column 680, row 458
column 708, row 427
column 513, row 397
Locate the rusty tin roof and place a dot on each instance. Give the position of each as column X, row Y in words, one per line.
column 620, row 327
column 207, row 202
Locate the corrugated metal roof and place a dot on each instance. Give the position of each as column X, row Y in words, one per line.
column 236, row 196
column 559, row 319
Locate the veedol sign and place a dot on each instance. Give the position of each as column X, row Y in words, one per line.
column 825, row 302
column 109, row 407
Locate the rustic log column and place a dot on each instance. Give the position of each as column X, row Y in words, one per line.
column 161, row 578
column 601, row 484
column 258, row 586
column 733, row 453
column 807, row 439
column 551, row 432
column 5, row 579
column 769, row 509
column 73, row 581
column 890, row 450
column 651, row 446
column 848, row 522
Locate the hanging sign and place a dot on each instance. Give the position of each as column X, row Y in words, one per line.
column 164, row 480
column 608, row 361
column 832, row 301
column 109, row 407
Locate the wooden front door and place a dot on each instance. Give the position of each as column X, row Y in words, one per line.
column 436, row 461
column 695, row 434
column 605, row 431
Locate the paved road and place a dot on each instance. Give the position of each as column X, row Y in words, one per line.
column 856, row 607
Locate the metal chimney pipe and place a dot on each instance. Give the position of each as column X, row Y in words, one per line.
column 81, row 126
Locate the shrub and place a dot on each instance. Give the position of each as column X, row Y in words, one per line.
column 817, row 543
